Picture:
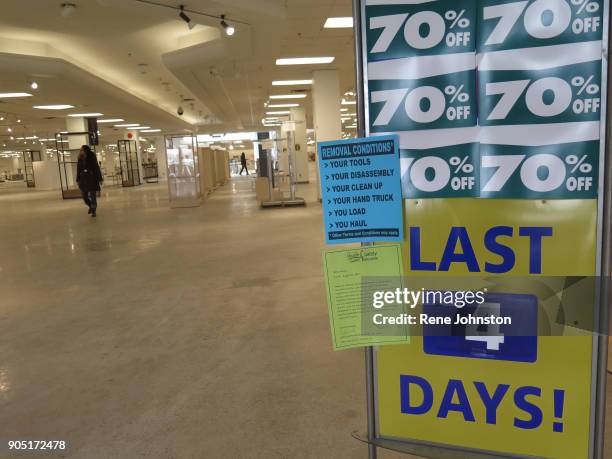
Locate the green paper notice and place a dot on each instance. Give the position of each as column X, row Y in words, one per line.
column 348, row 274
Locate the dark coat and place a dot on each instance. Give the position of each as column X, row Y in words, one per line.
column 89, row 175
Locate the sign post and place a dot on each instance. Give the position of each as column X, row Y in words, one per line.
column 502, row 113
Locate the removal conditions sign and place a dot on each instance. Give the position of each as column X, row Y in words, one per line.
column 362, row 197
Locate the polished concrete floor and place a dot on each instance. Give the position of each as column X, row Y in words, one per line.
column 184, row 333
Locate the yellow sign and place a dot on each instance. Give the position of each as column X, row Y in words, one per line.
column 346, row 274
column 536, row 408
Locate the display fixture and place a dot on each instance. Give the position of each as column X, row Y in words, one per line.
column 68, row 146
column 29, row 156
column 151, row 174
column 280, row 179
column 207, row 169
column 183, row 171
column 128, row 161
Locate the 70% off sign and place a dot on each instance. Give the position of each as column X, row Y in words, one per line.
column 543, row 19
column 545, row 97
column 432, row 174
column 423, row 30
column 424, row 104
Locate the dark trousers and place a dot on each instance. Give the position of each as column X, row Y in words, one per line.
column 244, row 168
column 90, row 198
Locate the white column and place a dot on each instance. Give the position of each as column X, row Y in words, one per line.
column 326, row 108
column 301, row 148
column 160, row 154
column 75, row 142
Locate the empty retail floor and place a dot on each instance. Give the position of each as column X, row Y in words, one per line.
column 185, row 333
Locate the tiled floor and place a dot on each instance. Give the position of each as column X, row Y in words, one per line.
column 162, row 333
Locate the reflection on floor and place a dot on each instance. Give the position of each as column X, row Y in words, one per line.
column 162, row 333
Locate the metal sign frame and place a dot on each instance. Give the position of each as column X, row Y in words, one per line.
column 28, row 167
column 68, row 192
column 128, row 163
column 603, row 269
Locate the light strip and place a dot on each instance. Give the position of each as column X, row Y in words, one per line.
column 348, row 102
column 140, row 128
column 344, row 22
column 291, row 82
column 305, row 60
column 283, row 105
column 127, row 125
column 6, row 95
column 279, row 113
column 53, row 107
column 151, row 130
column 288, row 96
column 111, row 120
column 85, row 115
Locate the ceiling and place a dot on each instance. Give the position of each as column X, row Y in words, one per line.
column 140, row 62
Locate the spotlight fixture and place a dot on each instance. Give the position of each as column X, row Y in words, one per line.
column 186, row 18
column 68, row 9
column 34, row 85
column 229, row 29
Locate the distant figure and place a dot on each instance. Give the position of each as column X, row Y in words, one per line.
column 89, row 178
column 244, row 163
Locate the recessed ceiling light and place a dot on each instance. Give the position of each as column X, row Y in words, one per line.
column 344, row 22
column 305, row 60
column 127, row 125
column 279, row 113
column 6, row 95
column 348, row 102
column 291, row 82
column 288, row 96
column 53, row 107
column 140, row 127
column 85, row 115
column 283, row 105
column 151, row 130
column 344, row 109
column 111, row 120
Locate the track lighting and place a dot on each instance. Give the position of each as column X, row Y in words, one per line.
column 229, row 29
column 186, row 18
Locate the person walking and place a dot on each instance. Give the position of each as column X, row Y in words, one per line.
column 243, row 161
column 89, row 177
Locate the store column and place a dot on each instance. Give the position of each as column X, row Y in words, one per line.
column 75, row 142
column 133, row 135
column 298, row 115
column 326, row 108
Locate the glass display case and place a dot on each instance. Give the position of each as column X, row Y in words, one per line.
column 183, row 171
